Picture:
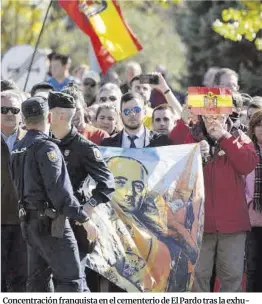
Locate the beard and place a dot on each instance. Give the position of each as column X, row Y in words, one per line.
column 132, row 126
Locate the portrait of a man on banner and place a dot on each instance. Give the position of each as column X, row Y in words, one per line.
column 153, row 228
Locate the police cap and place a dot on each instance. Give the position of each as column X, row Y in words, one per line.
column 60, row 100
column 34, row 106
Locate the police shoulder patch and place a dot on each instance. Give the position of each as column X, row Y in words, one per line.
column 52, row 156
column 97, row 154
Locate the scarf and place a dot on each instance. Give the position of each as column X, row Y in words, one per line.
column 257, row 199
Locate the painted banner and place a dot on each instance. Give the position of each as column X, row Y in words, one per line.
column 150, row 234
column 204, row 101
column 104, row 23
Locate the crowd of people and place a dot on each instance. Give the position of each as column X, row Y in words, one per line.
column 61, row 124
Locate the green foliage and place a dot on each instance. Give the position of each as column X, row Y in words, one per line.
column 206, row 48
column 22, row 21
column 245, row 22
column 160, row 40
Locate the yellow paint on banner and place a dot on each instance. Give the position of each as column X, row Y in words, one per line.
column 210, row 101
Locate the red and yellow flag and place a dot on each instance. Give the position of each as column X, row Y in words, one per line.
column 204, row 100
column 103, row 22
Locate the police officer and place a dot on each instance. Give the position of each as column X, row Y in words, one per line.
column 83, row 160
column 46, row 200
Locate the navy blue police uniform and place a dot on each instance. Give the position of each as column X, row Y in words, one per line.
column 46, row 202
column 84, row 160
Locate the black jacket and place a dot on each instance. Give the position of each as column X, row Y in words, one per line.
column 9, row 210
column 38, row 167
column 155, row 139
column 84, row 160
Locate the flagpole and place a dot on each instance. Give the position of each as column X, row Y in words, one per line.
column 37, row 43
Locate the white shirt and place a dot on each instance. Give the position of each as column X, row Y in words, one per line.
column 141, row 141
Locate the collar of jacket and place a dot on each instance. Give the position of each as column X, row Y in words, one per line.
column 37, row 132
column 118, row 137
column 69, row 137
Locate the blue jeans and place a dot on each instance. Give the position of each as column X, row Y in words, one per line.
column 49, row 256
column 13, row 258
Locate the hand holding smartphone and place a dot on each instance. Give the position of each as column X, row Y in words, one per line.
column 149, row 79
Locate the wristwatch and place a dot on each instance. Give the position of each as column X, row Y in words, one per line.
column 92, row 202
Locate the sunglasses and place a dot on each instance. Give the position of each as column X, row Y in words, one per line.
column 135, row 110
column 89, row 84
column 111, row 98
column 5, row 110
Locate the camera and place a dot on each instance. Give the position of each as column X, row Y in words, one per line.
column 150, row 79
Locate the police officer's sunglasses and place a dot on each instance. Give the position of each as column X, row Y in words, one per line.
column 135, row 110
column 104, row 98
column 5, row 110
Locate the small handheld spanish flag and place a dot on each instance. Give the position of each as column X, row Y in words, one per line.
column 103, row 22
column 204, row 101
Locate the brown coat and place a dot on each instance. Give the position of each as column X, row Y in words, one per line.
column 9, row 201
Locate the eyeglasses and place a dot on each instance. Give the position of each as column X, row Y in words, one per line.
column 5, row 110
column 111, row 98
column 135, row 110
column 89, row 84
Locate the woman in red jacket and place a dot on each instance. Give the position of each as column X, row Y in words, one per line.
column 227, row 158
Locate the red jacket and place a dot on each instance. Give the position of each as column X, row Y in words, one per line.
column 225, row 202
column 180, row 133
column 94, row 134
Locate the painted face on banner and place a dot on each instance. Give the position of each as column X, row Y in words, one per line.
column 130, row 182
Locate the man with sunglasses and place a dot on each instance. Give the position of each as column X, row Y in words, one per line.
column 13, row 248
column 134, row 134
column 90, row 87
column 46, row 203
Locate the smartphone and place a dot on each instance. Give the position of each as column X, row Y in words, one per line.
column 150, row 79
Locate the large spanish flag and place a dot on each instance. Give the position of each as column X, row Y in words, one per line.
column 103, row 22
column 204, row 100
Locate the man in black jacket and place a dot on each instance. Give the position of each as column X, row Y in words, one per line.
column 83, row 160
column 134, row 134
column 45, row 200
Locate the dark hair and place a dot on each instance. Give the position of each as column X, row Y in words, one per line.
column 34, row 120
column 51, row 55
column 75, row 91
column 162, row 107
column 134, row 79
column 43, row 86
column 8, row 84
column 222, row 72
column 63, row 58
column 129, row 96
column 254, row 121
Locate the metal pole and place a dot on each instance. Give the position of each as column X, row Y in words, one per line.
column 37, row 43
